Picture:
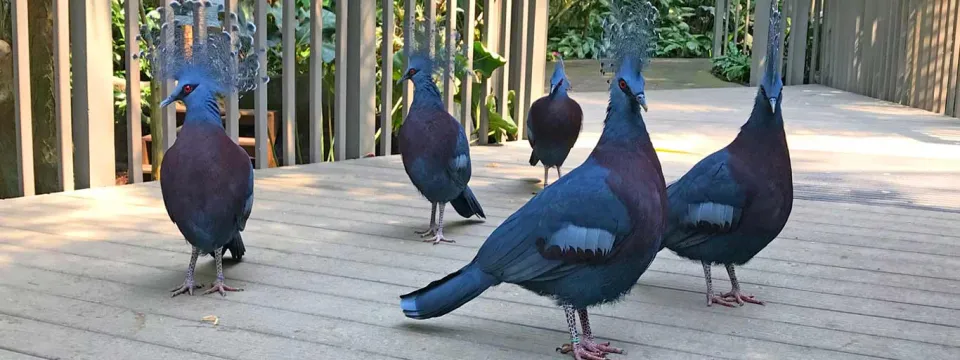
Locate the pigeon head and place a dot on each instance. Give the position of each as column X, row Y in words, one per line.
column 629, row 39
column 771, row 86
column 629, row 86
column 194, row 89
column 559, row 83
column 220, row 62
column 420, row 68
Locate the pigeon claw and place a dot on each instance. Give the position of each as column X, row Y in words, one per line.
column 428, row 232
column 604, row 348
column 221, row 288
column 719, row 299
column 186, row 288
column 438, row 238
column 740, row 298
column 580, row 352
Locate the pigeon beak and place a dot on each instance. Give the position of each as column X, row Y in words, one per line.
column 642, row 99
column 402, row 79
column 773, row 105
column 169, row 100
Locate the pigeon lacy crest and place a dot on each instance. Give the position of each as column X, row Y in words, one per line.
column 229, row 65
column 628, row 33
column 436, row 56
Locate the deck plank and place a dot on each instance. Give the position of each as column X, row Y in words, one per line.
column 866, row 268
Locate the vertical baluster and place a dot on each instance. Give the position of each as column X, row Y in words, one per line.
column 386, row 79
column 450, row 56
column 289, row 81
column 466, row 84
column 134, row 133
column 61, row 81
column 340, row 119
column 316, row 81
column 261, row 132
column 168, row 117
column 232, row 121
column 21, row 98
column 410, row 13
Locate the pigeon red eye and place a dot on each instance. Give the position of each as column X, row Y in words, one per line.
column 187, row 89
column 411, row 72
column 623, row 84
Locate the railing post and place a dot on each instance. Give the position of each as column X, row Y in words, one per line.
column 289, row 82
column 168, row 117
column 21, row 98
column 491, row 39
column 798, row 42
column 134, row 133
column 719, row 27
column 450, row 55
column 518, row 73
column 361, row 67
column 466, row 84
column 316, row 81
column 61, row 81
column 340, row 91
column 760, row 26
column 93, row 113
column 536, row 55
column 386, row 80
column 409, row 13
column 505, row 46
column 261, row 133
column 232, row 121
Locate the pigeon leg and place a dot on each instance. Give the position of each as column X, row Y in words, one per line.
column 438, row 238
column 711, row 297
column 579, row 350
column 546, row 175
column 589, row 342
column 559, row 173
column 218, row 286
column 735, row 294
column 188, row 284
column 433, row 223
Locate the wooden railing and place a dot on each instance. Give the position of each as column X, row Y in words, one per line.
column 85, row 131
column 903, row 51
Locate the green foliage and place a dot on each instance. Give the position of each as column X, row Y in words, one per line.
column 683, row 30
column 685, row 27
column 734, row 66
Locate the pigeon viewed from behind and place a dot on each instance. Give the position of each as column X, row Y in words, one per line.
column 434, row 147
column 553, row 124
column 206, row 179
column 586, row 239
column 733, row 203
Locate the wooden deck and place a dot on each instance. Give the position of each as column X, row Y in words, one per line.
column 866, row 268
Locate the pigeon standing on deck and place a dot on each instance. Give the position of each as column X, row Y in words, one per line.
column 553, row 124
column 731, row 204
column 434, row 147
column 586, row 239
column 206, row 179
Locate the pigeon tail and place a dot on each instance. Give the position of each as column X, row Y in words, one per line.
column 235, row 246
column 533, row 158
column 445, row 295
column 467, row 205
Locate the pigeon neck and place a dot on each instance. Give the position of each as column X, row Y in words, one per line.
column 426, row 93
column 202, row 110
column 623, row 124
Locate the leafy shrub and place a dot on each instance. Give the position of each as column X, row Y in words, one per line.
column 734, row 66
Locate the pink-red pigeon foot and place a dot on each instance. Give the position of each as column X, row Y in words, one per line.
column 221, row 288
column 187, row 288
column 603, row 348
column 718, row 299
column 740, row 298
column 580, row 352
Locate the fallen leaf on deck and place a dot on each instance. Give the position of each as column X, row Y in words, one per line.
column 493, row 165
column 213, row 319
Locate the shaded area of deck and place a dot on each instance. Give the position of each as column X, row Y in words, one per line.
column 866, row 268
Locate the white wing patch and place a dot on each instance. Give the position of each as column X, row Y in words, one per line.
column 460, row 162
column 573, row 238
column 712, row 213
